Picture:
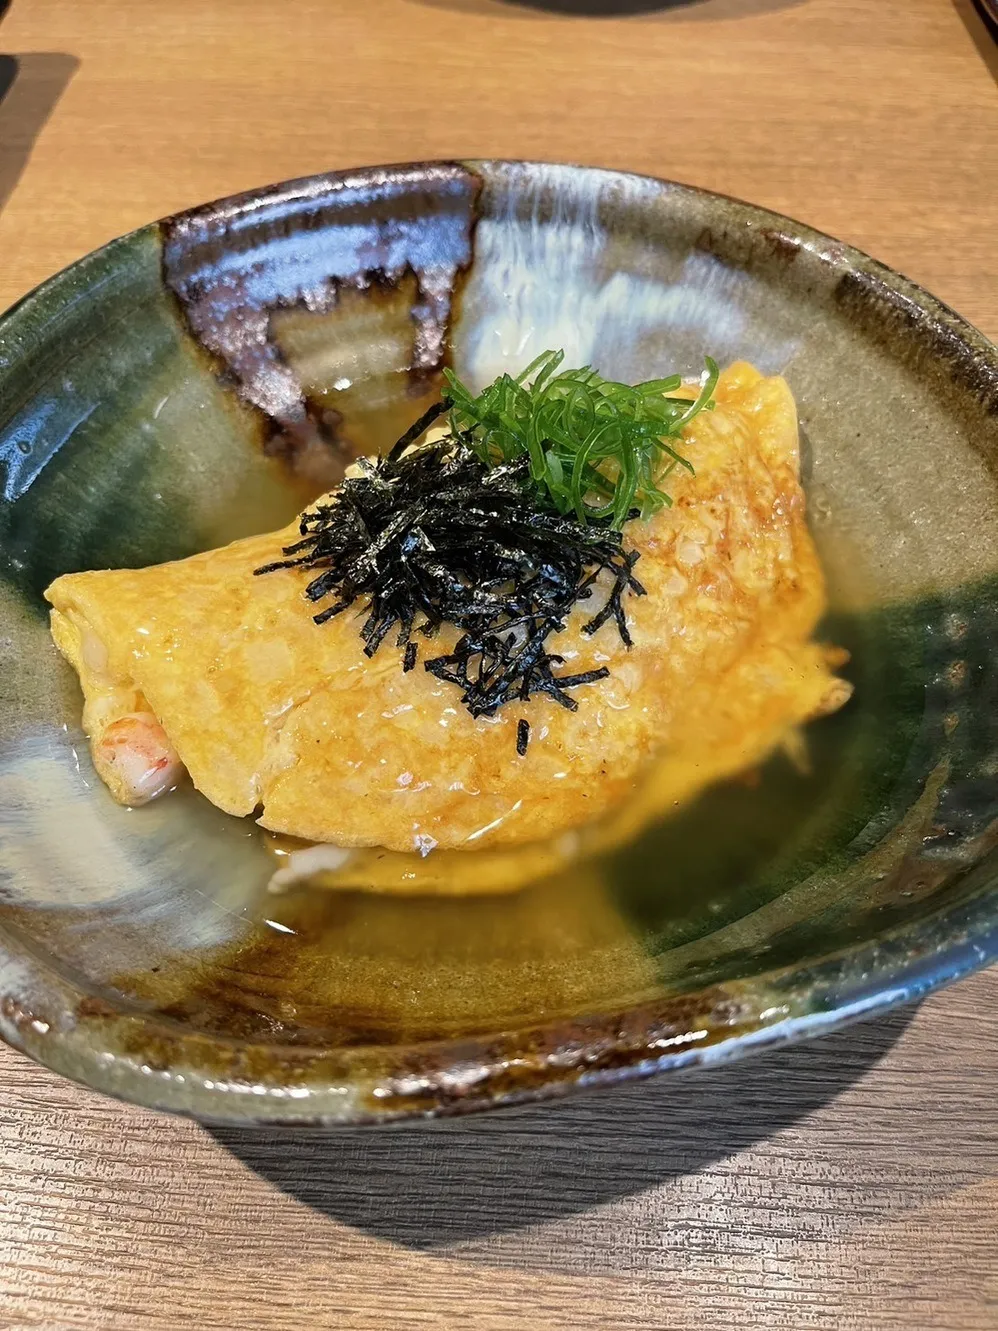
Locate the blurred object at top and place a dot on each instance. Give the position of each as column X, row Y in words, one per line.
column 603, row 8
column 988, row 10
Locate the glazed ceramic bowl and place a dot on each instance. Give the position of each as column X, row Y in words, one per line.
column 203, row 377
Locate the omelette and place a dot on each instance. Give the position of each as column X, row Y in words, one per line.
column 200, row 667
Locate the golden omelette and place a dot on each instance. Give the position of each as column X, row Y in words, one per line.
column 199, row 665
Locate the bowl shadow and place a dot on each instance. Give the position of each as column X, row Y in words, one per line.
column 427, row 1185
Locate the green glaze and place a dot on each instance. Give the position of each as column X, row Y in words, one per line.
column 203, row 378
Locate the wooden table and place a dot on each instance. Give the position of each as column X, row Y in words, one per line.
column 849, row 1184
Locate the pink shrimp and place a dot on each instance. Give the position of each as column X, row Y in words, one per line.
column 136, row 759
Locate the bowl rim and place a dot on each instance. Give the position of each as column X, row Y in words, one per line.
column 87, row 1039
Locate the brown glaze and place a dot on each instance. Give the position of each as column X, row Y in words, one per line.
column 783, row 246
column 933, row 341
column 258, row 276
column 439, row 1078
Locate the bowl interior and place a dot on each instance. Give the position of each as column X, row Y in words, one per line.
column 202, row 379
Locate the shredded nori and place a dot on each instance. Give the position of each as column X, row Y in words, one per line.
column 437, row 536
column 522, row 736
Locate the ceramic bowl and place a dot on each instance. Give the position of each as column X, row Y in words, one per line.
column 202, row 378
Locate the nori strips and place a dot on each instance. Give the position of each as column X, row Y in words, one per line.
column 433, row 536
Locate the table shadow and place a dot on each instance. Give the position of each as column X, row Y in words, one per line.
column 30, row 88
column 426, row 1185
column 707, row 10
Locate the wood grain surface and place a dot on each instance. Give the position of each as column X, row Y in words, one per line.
column 849, row 1184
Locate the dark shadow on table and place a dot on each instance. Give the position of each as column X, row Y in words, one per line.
column 30, row 87
column 707, row 10
column 430, row 1184
column 983, row 30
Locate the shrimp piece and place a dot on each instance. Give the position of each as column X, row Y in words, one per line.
column 131, row 752
column 134, row 758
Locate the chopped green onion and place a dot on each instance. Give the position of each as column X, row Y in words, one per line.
column 596, row 448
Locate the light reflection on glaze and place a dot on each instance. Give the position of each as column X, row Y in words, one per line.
column 543, row 278
column 178, row 869
column 34, row 436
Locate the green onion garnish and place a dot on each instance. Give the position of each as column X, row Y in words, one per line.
column 597, row 449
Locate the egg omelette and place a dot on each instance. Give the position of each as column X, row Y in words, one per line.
column 197, row 665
